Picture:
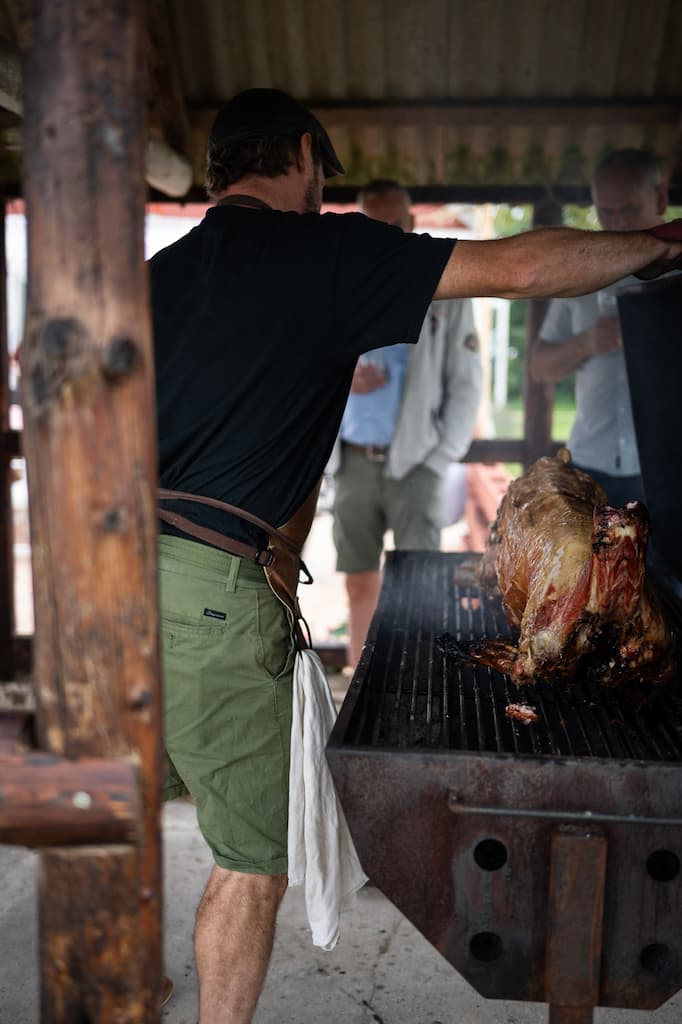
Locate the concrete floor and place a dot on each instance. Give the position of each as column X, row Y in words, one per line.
column 382, row 971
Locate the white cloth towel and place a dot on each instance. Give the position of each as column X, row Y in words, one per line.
column 322, row 856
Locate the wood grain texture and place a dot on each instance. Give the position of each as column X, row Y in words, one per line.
column 90, row 449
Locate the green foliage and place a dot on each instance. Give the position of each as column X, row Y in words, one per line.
column 510, row 220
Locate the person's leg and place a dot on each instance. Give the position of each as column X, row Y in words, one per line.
column 228, row 673
column 362, row 589
column 235, row 928
column 415, row 510
column 359, row 527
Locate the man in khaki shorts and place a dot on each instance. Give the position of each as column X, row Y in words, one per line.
column 260, row 315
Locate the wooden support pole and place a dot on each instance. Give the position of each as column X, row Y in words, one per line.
column 6, row 526
column 167, row 165
column 538, row 399
column 51, row 801
column 89, row 440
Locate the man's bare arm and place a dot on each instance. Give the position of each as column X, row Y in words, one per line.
column 550, row 362
column 549, row 262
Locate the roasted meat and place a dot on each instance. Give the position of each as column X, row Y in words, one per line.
column 571, row 574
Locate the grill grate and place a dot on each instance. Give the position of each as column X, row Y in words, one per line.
column 406, row 694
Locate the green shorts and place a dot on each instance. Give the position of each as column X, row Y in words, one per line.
column 367, row 503
column 228, row 656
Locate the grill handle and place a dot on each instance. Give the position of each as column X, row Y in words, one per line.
column 457, row 805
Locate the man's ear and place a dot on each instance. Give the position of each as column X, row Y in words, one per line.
column 661, row 198
column 411, row 221
column 304, row 155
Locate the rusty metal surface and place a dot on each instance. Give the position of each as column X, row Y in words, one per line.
column 575, row 916
column 453, row 806
column 569, row 1015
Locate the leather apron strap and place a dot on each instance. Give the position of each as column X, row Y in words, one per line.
column 281, row 560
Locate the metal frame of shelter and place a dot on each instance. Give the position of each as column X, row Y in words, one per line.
column 80, row 781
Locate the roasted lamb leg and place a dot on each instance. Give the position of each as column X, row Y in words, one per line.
column 571, row 573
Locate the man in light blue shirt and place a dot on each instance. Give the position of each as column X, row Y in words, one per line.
column 583, row 334
column 410, row 414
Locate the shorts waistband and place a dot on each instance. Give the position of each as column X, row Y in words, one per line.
column 207, row 557
column 373, row 452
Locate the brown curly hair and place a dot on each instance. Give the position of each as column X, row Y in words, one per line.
column 264, row 155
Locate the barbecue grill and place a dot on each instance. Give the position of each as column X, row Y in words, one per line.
column 543, row 860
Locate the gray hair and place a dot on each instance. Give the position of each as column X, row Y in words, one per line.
column 381, row 187
column 639, row 162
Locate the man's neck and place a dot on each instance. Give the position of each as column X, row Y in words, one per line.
column 281, row 193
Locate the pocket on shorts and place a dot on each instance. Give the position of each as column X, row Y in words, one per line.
column 192, row 607
column 275, row 640
column 175, row 631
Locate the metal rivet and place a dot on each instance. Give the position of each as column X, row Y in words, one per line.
column 82, row 800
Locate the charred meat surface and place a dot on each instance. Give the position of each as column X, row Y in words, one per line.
column 571, row 574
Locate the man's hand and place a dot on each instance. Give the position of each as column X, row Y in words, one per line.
column 672, row 260
column 366, row 378
column 605, row 336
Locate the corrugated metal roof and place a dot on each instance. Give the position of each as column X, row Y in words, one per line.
column 450, row 80
column 430, row 49
column 442, row 92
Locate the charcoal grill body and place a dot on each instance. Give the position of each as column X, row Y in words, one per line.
column 651, row 325
column 542, row 860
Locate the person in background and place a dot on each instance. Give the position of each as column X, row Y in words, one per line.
column 411, row 412
column 583, row 334
column 260, row 315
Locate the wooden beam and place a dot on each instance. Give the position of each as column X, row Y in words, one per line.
column 10, row 78
column 15, row 730
column 166, row 110
column 74, row 917
column 472, row 193
column 53, row 801
column 167, row 168
column 89, row 442
column 6, row 524
column 22, row 652
column 10, row 440
column 541, row 111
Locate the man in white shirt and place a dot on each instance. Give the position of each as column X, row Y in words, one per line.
column 583, row 334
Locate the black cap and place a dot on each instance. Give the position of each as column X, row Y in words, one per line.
column 257, row 112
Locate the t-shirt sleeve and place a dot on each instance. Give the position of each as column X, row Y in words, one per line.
column 557, row 324
column 385, row 280
column 566, row 318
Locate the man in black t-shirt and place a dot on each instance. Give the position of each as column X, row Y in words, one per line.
column 260, row 314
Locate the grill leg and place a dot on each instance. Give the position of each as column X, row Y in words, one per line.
column 574, row 924
column 570, row 1015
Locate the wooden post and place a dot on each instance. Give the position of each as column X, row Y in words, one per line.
column 6, row 526
column 538, row 399
column 87, row 381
